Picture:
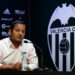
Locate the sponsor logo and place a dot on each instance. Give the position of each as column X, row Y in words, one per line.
column 20, row 18
column 5, row 26
column 20, row 12
column 6, row 19
column 7, row 12
column 5, row 33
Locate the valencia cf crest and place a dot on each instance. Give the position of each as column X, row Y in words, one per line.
column 61, row 37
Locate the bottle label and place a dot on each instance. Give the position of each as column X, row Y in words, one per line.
column 24, row 66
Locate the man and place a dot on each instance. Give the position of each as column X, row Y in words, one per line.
column 11, row 49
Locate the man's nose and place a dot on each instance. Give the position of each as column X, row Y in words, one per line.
column 20, row 32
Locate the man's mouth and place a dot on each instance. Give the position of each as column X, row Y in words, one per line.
column 19, row 37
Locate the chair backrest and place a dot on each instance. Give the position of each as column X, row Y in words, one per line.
column 39, row 53
column 38, row 50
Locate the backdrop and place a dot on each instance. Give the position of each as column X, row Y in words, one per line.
column 11, row 11
column 50, row 27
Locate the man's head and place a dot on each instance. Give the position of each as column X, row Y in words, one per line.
column 17, row 31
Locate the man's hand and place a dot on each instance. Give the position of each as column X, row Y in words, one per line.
column 11, row 66
column 28, row 68
column 16, row 66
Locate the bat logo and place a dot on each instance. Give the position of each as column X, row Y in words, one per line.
column 61, row 37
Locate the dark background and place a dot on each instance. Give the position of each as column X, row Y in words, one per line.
column 37, row 16
column 12, row 5
column 41, row 11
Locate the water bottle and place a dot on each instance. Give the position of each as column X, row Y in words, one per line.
column 24, row 62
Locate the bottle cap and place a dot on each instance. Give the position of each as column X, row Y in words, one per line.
column 24, row 52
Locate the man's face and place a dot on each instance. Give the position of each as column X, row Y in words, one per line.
column 18, row 32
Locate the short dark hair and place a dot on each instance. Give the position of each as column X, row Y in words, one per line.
column 16, row 22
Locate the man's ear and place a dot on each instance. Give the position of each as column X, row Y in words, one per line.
column 10, row 31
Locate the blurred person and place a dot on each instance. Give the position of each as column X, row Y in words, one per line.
column 11, row 49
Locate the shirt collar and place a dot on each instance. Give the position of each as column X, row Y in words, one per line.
column 11, row 44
